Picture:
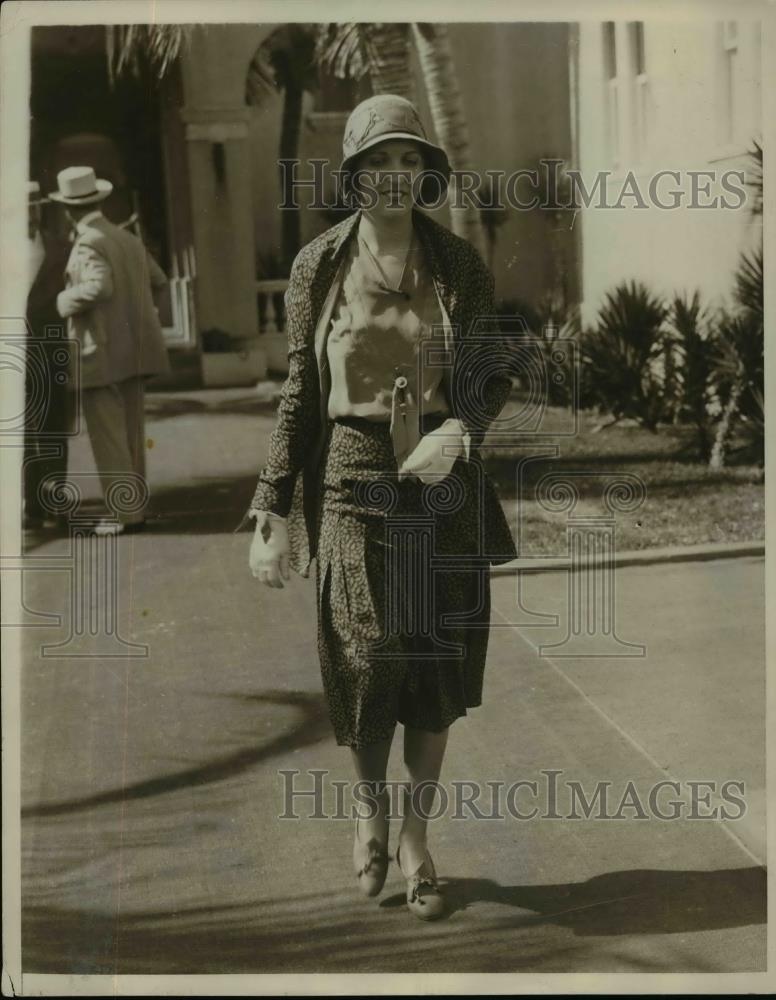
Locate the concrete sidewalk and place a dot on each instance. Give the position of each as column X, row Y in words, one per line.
column 152, row 785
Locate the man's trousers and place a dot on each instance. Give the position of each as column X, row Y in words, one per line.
column 115, row 420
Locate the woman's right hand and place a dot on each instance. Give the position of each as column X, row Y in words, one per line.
column 269, row 554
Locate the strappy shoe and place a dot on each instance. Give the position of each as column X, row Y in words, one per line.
column 370, row 861
column 424, row 897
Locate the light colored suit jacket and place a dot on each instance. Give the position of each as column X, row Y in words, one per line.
column 109, row 305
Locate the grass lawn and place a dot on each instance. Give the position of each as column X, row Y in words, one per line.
column 685, row 502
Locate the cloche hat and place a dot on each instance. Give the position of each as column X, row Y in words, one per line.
column 80, row 186
column 389, row 116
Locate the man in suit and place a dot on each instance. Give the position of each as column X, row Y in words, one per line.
column 109, row 305
column 47, row 410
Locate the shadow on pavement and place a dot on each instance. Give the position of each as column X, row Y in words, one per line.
column 205, row 507
column 208, row 506
column 644, row 901
column 312, row 727
column 337, row 931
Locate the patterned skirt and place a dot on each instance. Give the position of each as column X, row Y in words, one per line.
column 403, row 594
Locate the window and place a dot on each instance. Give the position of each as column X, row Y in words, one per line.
column 611, row 109
column 610, row 50
column 640, row 89
column 637, row 41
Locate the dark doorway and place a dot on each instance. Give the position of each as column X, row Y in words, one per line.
column 79, row 117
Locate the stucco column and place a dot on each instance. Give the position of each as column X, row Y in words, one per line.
column 219, row 166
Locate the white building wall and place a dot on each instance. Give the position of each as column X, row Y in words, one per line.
column 687, row 110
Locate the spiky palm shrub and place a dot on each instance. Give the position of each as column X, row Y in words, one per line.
column 739, row 375
column 739, row 370
column 555, row 325
column 749, row 282
column 692, row 338
column 567, row 384
column 544, row 324
column 622, row 355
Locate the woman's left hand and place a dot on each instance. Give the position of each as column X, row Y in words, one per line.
column 435, row 454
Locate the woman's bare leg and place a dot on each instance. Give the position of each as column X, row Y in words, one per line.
column 423, row 755
column 371, row 765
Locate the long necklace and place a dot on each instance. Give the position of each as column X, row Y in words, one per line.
column 383, row 282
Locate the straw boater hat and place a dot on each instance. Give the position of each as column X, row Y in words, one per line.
column 80, row 186
column 388, row 116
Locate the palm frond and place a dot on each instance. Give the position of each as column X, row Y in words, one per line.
column 261, row 80
column 756, row 183
column 632, row 317
column 622, row 354
column 130, row 47
column 387, row 52
column 381, row 51
column 750, row 281
column 342, row 51
column 691, row 337
column 739, row 349
column 284, row 60
column 739, row 379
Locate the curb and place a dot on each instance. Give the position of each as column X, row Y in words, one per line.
column 635, row 557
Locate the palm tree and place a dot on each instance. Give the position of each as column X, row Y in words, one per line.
column 380, row 51
column 286, row 61
column 346, row 50
column 432, row 42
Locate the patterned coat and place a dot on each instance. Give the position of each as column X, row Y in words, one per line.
column 465, row 288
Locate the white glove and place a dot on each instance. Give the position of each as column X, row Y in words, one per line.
column 269, row 554
column 435, row 454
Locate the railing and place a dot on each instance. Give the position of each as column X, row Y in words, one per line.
column 271, row 320
column 272, row 323
column 182, row 332
column 179, row 326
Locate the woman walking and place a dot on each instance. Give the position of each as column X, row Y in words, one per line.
column 373, row 470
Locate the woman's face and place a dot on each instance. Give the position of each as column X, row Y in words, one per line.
column 386, row 176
